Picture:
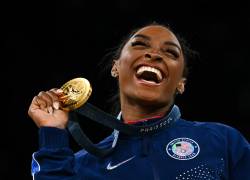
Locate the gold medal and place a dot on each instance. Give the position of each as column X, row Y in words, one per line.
column 76, row 92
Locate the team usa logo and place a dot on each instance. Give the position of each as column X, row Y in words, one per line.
column 183, row 149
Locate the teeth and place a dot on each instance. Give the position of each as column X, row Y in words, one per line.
column 151, row 69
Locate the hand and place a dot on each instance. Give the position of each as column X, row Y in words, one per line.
column 45, row 109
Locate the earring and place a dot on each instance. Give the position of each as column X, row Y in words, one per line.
column 114, row 73
column 179, row 91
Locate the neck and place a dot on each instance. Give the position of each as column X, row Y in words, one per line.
column 135, row 111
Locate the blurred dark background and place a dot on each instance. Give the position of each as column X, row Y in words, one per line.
column 46, row 43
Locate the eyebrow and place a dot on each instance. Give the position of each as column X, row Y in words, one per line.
column 166, row 42
column 142, row 36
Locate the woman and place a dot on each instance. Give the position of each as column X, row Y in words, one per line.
column 150, row 69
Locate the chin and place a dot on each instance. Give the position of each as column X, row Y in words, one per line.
column 151, row 100
column 147, row 96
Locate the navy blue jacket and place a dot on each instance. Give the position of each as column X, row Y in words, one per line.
column 185, row 150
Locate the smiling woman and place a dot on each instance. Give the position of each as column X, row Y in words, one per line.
column 150, row 70
column 150, row 67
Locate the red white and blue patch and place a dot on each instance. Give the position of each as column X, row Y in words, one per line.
column 183, row 149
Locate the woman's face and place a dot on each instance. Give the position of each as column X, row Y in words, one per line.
column 150, row 67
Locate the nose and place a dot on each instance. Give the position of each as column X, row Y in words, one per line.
column 152, row 56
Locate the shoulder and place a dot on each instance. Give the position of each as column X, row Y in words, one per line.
column 217, row 129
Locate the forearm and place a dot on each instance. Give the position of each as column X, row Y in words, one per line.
column 54, row 159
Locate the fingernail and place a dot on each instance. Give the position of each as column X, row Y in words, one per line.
column 50, row 109
column 59, row 91
column 56, row 105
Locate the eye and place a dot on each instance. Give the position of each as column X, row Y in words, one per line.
column 138, row 43
column 172, row 53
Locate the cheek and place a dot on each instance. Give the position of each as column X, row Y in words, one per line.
column 175, row 76
column 129, row 56
column 125, row 72
column 124, row 69
column 126, row 62
column 176, row 69
column 125, row 56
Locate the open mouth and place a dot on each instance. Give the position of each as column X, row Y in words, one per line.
column 149, row 74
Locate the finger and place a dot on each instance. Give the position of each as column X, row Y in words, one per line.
column 38, row 103
column 56, row 99
column 50, row 110
column 46, row 98
column 57, row 91
column 33, row 106
column 60, row 94
column 53, row 95
column 62, row 97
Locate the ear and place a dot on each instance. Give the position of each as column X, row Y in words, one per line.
column 115, row 69
column 181, row 86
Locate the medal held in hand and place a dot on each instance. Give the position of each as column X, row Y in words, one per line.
column 76, row 92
